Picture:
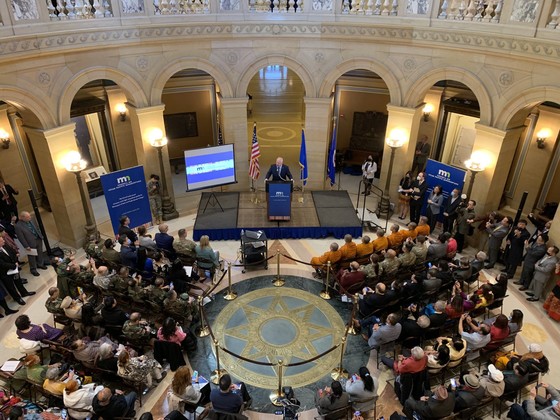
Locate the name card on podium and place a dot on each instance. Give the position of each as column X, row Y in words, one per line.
column 279, row 200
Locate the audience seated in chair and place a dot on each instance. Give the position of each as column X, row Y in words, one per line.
column 229, row 398
column 528, row 410
column 438, row 405
column 25, row 329
column 320, row 263
column 139, row 369
column 78, row 399
column 185, row 393
column 364, row 249
column 493, row 382
column 468, row 393
column 331, row 401
column 347, row 279
column 362, row 390
column 109, row 405
column 377, row 333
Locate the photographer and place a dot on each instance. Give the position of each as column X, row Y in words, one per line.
column 465, row 218
column 154, row 194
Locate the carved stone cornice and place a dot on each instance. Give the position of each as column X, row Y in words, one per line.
column 52, row 43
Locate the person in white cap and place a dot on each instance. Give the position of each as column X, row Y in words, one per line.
column 493, row 383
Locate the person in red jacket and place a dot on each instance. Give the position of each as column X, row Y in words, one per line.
column 416, row 362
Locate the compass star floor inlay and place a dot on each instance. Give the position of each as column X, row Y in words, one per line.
column 279, row 323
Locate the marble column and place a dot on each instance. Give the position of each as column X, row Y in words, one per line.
column 122, row 130
column 499, row 146
column 50, row 148
column 234, row 129
column 318, row 122
column 407, row 119
column 144, row 121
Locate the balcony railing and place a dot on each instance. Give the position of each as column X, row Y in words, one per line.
column 528, row 18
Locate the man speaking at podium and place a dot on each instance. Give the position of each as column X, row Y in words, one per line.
column 279, row 171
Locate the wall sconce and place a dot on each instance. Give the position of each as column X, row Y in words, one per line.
column 426, row 111
column 5, row 139
column 121, row 109
column 542, row 135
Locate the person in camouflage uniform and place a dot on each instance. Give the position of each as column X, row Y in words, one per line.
column 108, row 253
column 186, row 308
column 137, row 331
column 53, row 302
column 63, row 275
column 183, row 245
column 92, row 249
column 135, row 290
column 420, row 249
column 407, row 258
column 119, row 283
column 158, row 292
column 391, row 263
column 372, row 270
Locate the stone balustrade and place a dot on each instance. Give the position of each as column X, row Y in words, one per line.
column 529, row 18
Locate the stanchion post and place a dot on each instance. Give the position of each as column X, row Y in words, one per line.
column 339, row 372
column 351, row 329
column 204, row 330
column 217, row 373
column 278, row 281
column 325, row 293
column 276, row 396
column 230, row 295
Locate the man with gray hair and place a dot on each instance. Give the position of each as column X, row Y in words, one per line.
column 416, row 362
column 31, row 238
column 476, row 339
column 378, row 333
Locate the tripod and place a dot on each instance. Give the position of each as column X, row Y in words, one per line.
column 213, row 200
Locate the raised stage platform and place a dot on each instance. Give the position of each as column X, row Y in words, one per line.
column 322, row 214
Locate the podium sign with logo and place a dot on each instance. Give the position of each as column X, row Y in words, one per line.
column 126, row 193
column 279, row 200
column 447, row 176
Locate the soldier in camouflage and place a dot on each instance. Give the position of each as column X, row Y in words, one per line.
column 53, row 302
column 391, row 263
column 138, row 331
column 119, row 283
column 183, row 245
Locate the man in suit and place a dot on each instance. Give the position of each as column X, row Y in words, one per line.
column 450, row 210
column 440, row 404
column 8, row 204
column 11, row 282
column 417, row 193
column 544, row 268
column 164, row 240
column 31, row 238
column 279, row 171
column 421, row 154
column 541, row 228
column 496, row 234
column 534, row 252
column 516, row 242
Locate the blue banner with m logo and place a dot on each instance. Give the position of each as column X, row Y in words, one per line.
column 126, row 194
column 446, row 176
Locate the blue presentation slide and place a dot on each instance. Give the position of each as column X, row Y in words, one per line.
column 209, row 167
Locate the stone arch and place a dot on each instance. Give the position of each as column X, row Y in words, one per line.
column 297, row 67
column 421, row 85
column 524, row 100
column 189, row 63
column 36, row 113
column 132, row 89
column 362, row 63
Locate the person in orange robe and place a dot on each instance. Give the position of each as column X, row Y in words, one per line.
column 381, row 242
column 333, row 255
column 396, row 237
column 423, row 227
column 364, row 249
column 348, row 251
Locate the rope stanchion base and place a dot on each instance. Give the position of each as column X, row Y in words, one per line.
column 216, row 375
column 275, row 398
column 204, row 332
column 230, row 295
column 325, row 294
column 278, row 282
column 339, row 373
column 352, row 330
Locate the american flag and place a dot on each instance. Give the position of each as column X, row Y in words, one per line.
column 254, row 168
column 220, row 135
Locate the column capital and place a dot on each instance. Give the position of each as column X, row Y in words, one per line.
column 309, row 101
column 405, row 110
column 53, row 132
column 233, row 102
column 145, row 110
column 489, row 130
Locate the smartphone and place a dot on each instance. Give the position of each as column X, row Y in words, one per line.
column 64, row 414
column 171, row 285
column 429, row 265
column 80, row 290
column 354, row 378
column 453, row 382
column 195, row 376
column 357, row 413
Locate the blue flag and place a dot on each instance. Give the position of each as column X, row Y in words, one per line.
column 303, row 158
column 331, row 164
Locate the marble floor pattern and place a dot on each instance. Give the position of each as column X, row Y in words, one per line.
column 537, row 326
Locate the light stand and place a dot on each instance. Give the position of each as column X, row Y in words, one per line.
column 394, row 141
column 474, row 168
column 167, row 206
column 75, row 164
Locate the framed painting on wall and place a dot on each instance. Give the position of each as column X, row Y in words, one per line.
column 178, row 126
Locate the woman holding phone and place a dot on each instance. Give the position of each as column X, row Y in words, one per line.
column 362, row 389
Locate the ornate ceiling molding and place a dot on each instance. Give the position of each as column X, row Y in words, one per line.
column 485, row 43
